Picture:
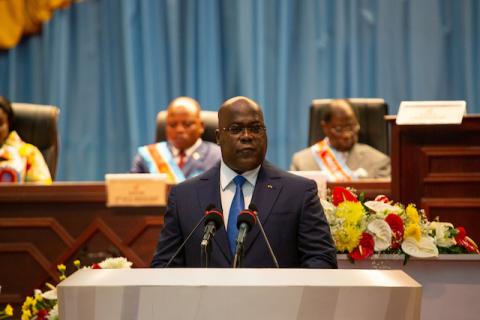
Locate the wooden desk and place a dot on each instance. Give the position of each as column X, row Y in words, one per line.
column 42, row 226
column 370, row 187
column 438, row 168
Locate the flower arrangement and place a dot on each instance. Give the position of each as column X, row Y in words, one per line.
column 44, row 305
column 362, row 228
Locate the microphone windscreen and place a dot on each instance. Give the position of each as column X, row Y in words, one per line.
column 253, row 207
column 215, row 216
column 248, row 217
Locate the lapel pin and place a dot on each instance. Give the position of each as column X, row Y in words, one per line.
column 269, row 186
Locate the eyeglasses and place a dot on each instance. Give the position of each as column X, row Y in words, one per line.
column 236, row 129
column 348, row 129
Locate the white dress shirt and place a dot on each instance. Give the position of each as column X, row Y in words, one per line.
column 227, row 187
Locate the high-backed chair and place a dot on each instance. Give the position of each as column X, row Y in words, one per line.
column 37, row 124
column 209, row 118
column 370, row 113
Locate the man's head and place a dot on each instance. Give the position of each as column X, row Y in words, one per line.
column 340, row 125
column 241, row 134
column 184, row 125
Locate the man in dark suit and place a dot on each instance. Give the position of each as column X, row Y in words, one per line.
column 288, row 205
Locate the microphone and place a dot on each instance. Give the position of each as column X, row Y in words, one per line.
column 213, row 222
column 209, row 208
column 245, row 222
column 254, row 209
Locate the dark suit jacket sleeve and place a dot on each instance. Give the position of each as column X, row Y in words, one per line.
column 170, row 238
column 315, row 243
column 139, row 165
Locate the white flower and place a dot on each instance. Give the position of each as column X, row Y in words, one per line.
column 53, row 314
column 442, row 236
column 115, row 263
column 382, row 209
column 425, row 248
column 382, row 234
column 329, row 210
column 50, row 294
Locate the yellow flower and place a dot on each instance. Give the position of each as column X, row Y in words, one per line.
column 62, row 277
column 413, row 230
column 76, row 263
column 347, row 238
column 27, row 303
column 26, row 314
column 412, row 214
column 38, row 296
column 351, row 212
column 8, row 310
column 61, row 268
column 34, row 307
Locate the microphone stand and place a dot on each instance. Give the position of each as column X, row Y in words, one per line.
column 205, row 252
column 270, row 250
column 237, row 260
column 185, row 242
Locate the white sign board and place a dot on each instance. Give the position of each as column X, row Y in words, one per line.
column 124, row 190
column 431, row 112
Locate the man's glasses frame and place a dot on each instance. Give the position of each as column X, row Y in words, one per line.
column 235, row 129
column 349, row 129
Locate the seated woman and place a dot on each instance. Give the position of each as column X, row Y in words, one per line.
column 19, row 161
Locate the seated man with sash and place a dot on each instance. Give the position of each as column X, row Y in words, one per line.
column 184, row 154
column 339, row 154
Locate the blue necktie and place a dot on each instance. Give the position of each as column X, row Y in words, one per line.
column 238, row 204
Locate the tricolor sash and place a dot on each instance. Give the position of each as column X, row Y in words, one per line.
column 331, row 162
column 159, row 159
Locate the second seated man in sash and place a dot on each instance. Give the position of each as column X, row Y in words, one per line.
column 184, row 154
column 339, row 155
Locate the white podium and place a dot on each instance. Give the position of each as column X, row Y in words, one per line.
column 252, row 294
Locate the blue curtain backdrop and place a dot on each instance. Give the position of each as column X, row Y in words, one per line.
column 111, row 65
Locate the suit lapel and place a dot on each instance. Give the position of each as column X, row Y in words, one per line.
column 353, row 158
column 209, row 193
column 267, row 189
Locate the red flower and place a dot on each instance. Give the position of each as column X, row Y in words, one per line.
column 396, row 224
column 96, row 266
column 461, row 233
column 42, row 314
column 382, row 198
column 365, row 248
column 465, row 241
column 341, row 194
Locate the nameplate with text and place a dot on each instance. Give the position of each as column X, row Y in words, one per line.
column 431, row 112
column 126, row 190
